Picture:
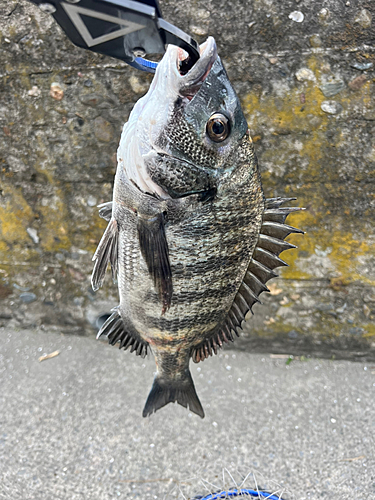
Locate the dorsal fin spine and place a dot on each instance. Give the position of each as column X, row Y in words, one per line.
column 277, row 246
column 214, row 345
column 278, row 214
column 272, row 259
column 235, row 321
column 229, row 333
column 262, row 270
column 230, row 324
column 252, row 278
column 223, row 336
column 249, row 291
column 278, row 230
column 241, row 302
column 207, row 349
column 219, row 341
column 276, row 202
column 238, row 313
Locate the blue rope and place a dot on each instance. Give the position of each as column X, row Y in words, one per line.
column 237, row 493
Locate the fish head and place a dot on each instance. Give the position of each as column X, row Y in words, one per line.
column 181, row 133
column 209, row 107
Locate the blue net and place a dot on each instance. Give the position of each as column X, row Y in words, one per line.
column 243, row 492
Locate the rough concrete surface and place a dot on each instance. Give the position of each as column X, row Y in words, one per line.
column 305, row 73
column 71, row 426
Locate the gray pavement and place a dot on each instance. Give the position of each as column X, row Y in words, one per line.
column 71, row 426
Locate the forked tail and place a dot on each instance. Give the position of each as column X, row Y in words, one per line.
column 166, row 391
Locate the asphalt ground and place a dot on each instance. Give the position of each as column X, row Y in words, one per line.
column 71, row 426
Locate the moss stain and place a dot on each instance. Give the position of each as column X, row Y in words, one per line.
column 309, row 123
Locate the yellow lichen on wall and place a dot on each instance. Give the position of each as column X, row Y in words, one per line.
column 15, row 216
column 298, row 116
column 54, row 230
column 343, row 250
column 369, row 331
column 54, row 227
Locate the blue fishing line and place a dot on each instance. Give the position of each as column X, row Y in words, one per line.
column 145, row 64
column 237, row 493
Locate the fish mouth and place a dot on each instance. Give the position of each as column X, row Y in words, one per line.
column 190, row 78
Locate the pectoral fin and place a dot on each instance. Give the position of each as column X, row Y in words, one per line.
column 106, row 252
column 154, row 248
column 105, row 210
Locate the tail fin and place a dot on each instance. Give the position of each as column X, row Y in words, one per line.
column 165, row 391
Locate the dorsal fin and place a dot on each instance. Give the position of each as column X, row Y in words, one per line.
column 264, row 260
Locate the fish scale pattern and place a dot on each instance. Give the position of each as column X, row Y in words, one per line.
column 209, row 250
column 263, row 262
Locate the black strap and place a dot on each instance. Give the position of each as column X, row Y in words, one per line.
column 123, row 29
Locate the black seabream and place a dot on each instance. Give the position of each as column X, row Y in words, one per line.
column 190, row 237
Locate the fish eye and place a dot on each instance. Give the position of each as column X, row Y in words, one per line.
column 218, row 127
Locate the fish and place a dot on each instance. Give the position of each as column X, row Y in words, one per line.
column 191, row 239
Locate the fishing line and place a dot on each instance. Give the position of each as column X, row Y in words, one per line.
column 145, row 64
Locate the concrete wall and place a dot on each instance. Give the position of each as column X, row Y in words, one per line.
column 308, row 93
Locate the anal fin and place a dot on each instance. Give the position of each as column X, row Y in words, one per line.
column 115, row 329
column 154, row 248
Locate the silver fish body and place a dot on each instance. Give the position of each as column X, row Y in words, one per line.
column 190, row 238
